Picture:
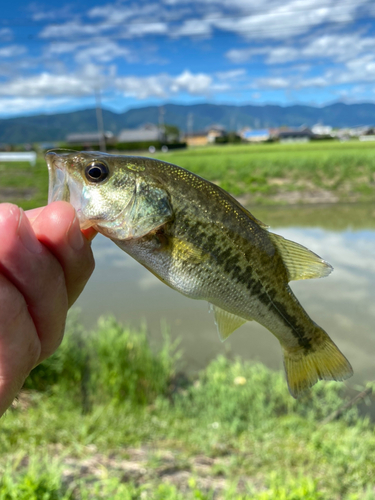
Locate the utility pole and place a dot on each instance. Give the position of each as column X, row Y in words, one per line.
column 190, row 118
column 99, row 120
column 161, row 123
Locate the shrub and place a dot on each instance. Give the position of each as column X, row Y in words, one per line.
column 110, row 363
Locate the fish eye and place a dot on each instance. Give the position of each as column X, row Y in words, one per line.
column 96, row 172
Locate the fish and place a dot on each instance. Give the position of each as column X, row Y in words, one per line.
column 200, row 241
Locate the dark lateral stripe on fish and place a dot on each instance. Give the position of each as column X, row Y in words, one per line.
column 290, row 320
column 228, row 260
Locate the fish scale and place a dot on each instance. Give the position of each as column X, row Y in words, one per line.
column 201, row 242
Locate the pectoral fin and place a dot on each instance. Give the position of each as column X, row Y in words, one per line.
column 226, row 322
column 301, row 263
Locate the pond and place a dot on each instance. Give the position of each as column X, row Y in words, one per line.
column 343, row 304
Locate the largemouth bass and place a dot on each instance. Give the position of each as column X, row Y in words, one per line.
column 200, row 241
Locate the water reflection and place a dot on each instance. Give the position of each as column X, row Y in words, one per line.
column 343, row 304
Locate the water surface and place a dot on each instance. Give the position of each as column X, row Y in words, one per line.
column 343, row 304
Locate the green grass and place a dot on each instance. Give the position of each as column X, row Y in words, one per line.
column 264, row 174
column 264, row 171
column 23, row 184
column 106, row 399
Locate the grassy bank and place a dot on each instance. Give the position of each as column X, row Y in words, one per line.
column 108, row 418
column 317, row 172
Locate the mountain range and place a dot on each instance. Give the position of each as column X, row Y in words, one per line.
column 55, row 127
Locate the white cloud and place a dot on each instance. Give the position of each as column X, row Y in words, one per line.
column 193, row 84
column 272, row 20
column 6, row 34
column 117, row 14
column 18, row 105
column 57, row 48
column 350, row 59
column 75, row 28
column 47, row 84
column 193, row 27
column 281, row 20
column 90, row 77
column 164, row 85
column 97, row 50
column 12, row 51
column 233, row 74
column 104, row 51
column 239, row 56
column 144, row 29
column 278, row 32
column 338, row 46
column 272, row 83
column 141, row 88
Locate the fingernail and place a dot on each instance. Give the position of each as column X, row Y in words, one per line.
column 75, row 237
column 27, row 235
column 33, row 213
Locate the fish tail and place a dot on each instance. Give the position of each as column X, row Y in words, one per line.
column 323, row 361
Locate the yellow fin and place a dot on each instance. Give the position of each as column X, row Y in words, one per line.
column 324, row 362
column 300, row 262
column 226, row 322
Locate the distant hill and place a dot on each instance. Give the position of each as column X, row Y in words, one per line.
column 55, row 127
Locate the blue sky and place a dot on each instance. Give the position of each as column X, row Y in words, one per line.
column 55, row 55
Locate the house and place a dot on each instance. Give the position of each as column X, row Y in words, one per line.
column 89, row 138
column 322, row 130
column 302, row 134
column 147, row 133
column 214, row 132
column 207, row 136
column 196, row 139
column 369, row 135
column 258, row 135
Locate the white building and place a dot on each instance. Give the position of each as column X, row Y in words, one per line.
column 319, row 129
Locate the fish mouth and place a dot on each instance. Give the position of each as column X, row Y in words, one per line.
column 61, row 187
column 58, row 187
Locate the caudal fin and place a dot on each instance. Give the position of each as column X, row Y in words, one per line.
column 324, row 362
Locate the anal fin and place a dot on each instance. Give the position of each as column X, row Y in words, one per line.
column 226, row 322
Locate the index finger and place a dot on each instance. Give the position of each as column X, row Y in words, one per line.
column 57, row 227
column 34, row 213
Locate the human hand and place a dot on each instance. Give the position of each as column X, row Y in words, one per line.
column 45, row 262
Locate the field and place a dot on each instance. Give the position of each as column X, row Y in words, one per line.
column 268, row 174
column 316, row 172
column 108, row 418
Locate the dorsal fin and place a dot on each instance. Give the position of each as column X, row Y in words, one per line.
column 226, row 322
column 301, row 263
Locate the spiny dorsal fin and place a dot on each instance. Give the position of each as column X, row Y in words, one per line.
column 301, row 263
column 226, row 322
